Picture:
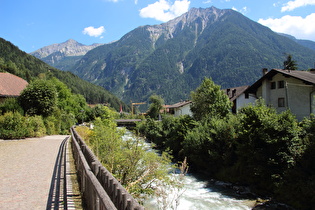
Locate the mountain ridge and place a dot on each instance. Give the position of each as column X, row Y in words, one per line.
column 69, row 48
column 63, row 55
column 171, row 59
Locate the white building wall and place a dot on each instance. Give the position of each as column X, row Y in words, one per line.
column 183, row 110
column 297, row 95
column 241, row 101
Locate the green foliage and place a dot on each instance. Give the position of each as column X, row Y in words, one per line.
column 156, row 106
column 270, row 139
column 39, row 98
column 290, row 64
column 35, row 126
column 209, row 101
column 13, row 126
column 300, row 179
column 127, row 159
column 152, row 130
column 212, row 142
column 52, row 125
column 10, row 105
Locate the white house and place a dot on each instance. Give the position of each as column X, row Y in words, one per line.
column 180, row 108
column 287, row 89
column 238, row 97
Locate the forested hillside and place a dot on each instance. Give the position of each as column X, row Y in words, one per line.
column 17, row 62
column 172, row 58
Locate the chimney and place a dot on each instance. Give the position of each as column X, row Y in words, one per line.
column 264, row 71
column 228, row 92
column 233, row 93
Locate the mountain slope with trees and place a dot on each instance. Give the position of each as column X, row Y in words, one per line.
column 171, row 59
column 28, row 67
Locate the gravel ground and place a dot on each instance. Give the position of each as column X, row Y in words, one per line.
column 26, row 169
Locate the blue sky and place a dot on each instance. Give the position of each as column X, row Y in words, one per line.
column 32, row 24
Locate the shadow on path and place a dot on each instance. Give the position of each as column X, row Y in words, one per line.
column 57, row 198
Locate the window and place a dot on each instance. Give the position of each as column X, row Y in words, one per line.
column 281, row 84
column 281, row 102
column 273, row 85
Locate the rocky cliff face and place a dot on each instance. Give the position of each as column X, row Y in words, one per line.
column 197, row 18
column 64, row 55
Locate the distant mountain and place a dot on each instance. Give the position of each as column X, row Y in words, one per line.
column 19, row 63
column 305, row 43
column 171, row 59
column 63, row 56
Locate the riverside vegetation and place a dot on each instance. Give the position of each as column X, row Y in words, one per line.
column 142, row 172
column 45, row 107
column 270, row 152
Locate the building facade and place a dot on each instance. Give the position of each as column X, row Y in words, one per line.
column 287, row 89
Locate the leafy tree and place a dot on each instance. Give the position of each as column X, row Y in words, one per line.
column 10, row 105
column 290, row 64
column 155, row 106
column 13, row 125
column 267, row 146
column 209, row 101
column 174, row 130
column 39, row 98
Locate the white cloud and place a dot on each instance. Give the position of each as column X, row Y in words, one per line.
column 243, row 10
column 301, row 28
column 91, row 31
column 291, row 5
column 162, row 10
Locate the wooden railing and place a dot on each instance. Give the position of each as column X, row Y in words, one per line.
column 99, row 188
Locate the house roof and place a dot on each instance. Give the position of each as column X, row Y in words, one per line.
column 235, row 92
column 11, row 85
column 179, row 104
column 307, row 77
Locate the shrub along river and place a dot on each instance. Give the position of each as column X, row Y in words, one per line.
column 197, row 194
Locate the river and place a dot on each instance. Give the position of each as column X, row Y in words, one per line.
column 197, row 194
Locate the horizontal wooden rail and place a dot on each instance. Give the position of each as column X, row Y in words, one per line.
column 107, row 193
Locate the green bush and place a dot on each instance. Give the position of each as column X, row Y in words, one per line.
column 67, row 120
column 39, row 98
column 35, row 126
column 12, row 126
column 10, row 105
column 52, row 125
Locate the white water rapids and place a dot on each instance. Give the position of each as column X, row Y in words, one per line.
column 199, row 195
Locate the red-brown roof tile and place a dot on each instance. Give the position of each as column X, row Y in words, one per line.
column 11, row 85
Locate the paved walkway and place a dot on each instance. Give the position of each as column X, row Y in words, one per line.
column 27, row 170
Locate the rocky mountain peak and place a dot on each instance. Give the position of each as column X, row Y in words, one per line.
column 67, row 48
column 196, row 17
